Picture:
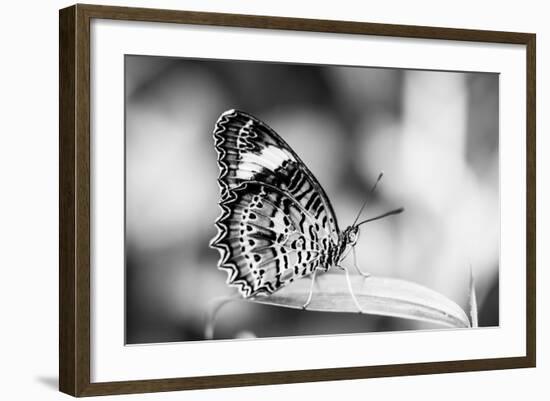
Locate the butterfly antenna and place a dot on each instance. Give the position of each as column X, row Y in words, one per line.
column 368, row 197
column 392, row 212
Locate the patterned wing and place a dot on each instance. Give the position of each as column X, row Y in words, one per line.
column 276, row 222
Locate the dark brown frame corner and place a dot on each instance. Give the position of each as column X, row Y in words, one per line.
column 74, row 199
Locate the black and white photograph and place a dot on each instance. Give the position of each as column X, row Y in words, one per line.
column 274, row 201
column 269, row 199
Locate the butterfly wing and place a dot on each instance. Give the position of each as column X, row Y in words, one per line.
column 276, row 222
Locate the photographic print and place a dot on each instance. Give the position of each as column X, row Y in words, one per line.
column 361, row 196
column 271, row 199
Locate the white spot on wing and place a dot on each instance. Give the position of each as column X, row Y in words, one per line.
column 271, row 157
column 276, row 155
column 243, row 174
column 227, row 112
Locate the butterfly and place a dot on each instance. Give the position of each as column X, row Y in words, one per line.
column 276, row 223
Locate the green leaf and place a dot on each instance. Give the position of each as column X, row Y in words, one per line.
column 473, row 300
column 376, row 295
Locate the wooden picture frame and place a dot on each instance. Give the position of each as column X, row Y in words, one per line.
column 74, row 199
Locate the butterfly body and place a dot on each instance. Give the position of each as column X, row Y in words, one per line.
column 277, row 223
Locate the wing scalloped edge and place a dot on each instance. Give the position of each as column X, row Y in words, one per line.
column 227, row 195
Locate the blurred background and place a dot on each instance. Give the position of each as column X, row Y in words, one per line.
column 434, row 134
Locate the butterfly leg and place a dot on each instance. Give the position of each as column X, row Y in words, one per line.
column 304, row 306
column 362, row 273
column 351, row 289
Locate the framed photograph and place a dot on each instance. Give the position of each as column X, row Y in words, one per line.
column 250, row 200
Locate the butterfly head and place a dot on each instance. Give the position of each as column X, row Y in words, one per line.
column 351, row 235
